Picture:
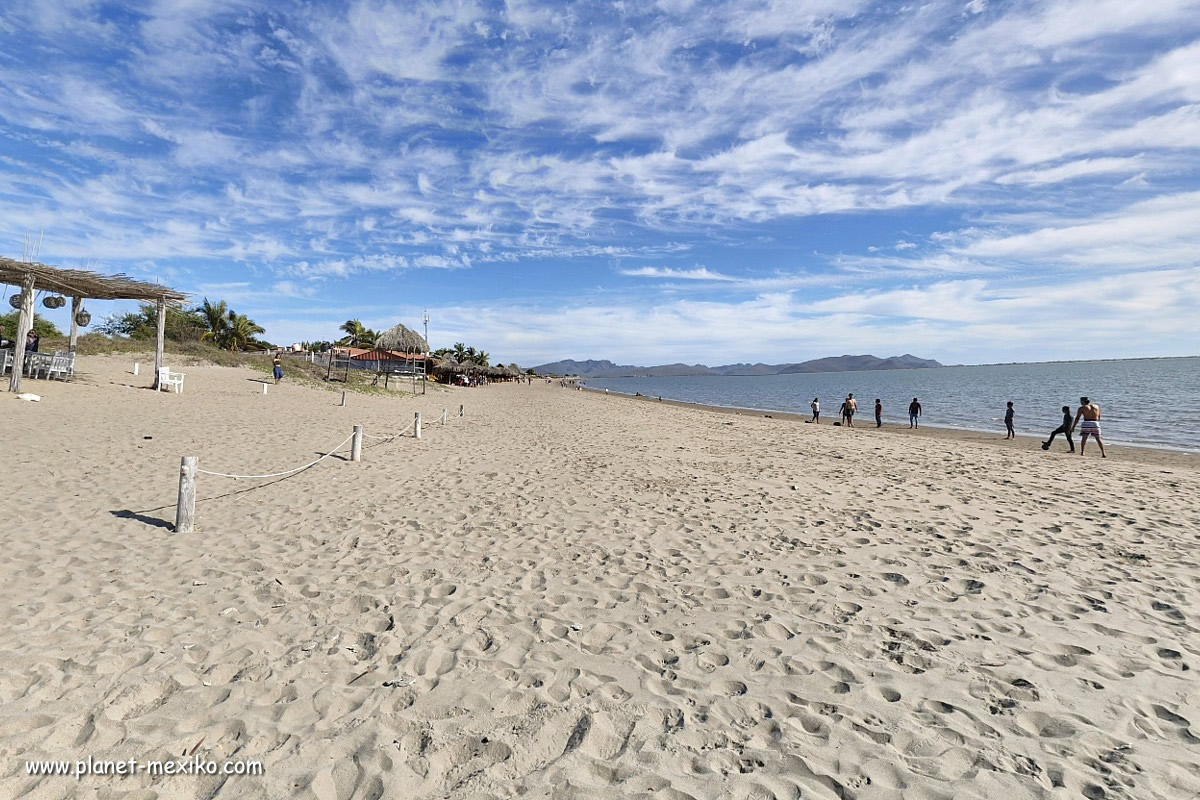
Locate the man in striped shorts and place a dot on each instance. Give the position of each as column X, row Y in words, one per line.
column 1089, row 412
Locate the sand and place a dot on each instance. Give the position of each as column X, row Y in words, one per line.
column 568, row 595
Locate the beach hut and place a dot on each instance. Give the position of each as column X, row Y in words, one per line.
column 402, row 340
column 401, row 351
column 445, row 367
column 79, row 285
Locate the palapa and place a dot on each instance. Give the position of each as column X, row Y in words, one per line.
column 401, row 339
column 78, row 284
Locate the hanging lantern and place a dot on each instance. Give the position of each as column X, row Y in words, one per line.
column 17, row 300
column 83, row 317
column 54, row 301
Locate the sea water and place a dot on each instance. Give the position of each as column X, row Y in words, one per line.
column 1148, row 402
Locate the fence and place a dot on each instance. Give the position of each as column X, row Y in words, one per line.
column 189, row 468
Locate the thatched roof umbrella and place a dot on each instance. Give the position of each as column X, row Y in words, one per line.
column 402, row 340
column 445, row 365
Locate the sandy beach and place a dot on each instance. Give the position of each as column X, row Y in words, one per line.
column 569, row 595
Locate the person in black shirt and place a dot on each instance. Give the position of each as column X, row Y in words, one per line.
column 878, row 413
column 914, row 413
column 1008, row 422
column 1064, row 429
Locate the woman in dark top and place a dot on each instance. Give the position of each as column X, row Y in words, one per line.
column 1008, row 422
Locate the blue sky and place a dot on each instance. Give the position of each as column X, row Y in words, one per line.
column 771, row 180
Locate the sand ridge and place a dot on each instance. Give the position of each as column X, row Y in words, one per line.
column 569, row 595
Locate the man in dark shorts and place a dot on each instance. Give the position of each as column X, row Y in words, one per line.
column 1065, row 429
column 878, row 413
column 849, row 406
column 1008, row 422
column 914, row 413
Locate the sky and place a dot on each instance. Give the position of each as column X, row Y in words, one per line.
column 710, row 182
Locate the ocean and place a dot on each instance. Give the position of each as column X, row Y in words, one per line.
column 1146, row 402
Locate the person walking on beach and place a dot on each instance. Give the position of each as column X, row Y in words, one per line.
column 1008, row 422
column 815, row 405
column 849, row 406
column 1065, row 428
column 878, row 413
column 914, row 413
column 1090, row 412
column 278, row 368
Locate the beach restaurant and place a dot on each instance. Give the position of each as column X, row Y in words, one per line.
column 79, row 285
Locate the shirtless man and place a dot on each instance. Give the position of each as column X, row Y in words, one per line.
column 1090, row 413
column 849, row 407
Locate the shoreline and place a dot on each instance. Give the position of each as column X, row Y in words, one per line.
column 1141, row 454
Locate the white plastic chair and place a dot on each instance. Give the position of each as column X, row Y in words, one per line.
column 167, row 378
column 62, row 365
column 36, row 364
column 6, row 357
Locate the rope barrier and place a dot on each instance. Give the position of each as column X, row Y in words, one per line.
column 390, row 436
column 185, row 507
column 278, row 474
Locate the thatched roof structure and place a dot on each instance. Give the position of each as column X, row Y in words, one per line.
column 402, row 339
column 81, row 283
column 446, row 364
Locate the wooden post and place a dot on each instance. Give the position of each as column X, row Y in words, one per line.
column 462, row 410
column 185, row 506
column 135, row 369
column 76, row 305
column 417, row 426
column 264, row 387
column 24, row 325
column 343, row 405
column 161, row 334
column 356, row 444
column 445, row 414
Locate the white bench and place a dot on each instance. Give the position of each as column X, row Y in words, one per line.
column 167, row 378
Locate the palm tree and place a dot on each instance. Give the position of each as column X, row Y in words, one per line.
column 481, row 358
column 357, row 335
column 215, row 318
column 241, row 330
column 460, row 352
column 471, row 354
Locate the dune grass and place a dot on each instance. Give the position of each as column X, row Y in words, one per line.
column 194, row 353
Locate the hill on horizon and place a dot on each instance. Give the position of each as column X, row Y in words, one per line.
column 847, row 363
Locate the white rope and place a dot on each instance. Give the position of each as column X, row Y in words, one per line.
column 285, row 472
column 390, row 436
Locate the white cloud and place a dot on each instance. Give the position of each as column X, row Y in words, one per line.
column 698, row 274
column 339, row 143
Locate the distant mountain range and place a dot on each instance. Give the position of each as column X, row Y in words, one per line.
column 607, row 369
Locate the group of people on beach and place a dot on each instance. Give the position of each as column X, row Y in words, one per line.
column 1088, row 414
column 1087, row 419
column 850, row 408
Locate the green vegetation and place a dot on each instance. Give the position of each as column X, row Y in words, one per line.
column 357, row 335
column 213, row 323
column 44, row 327
column 463, row 354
